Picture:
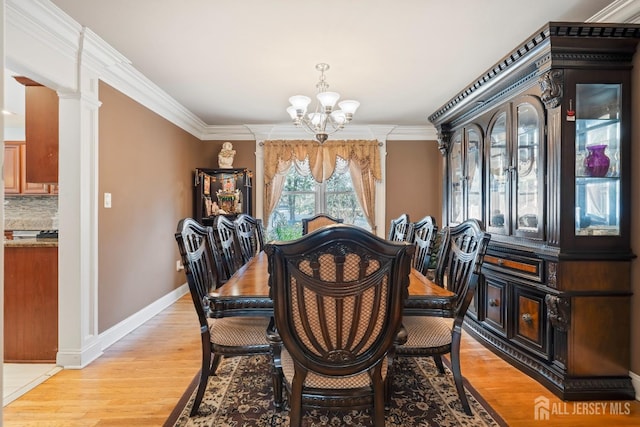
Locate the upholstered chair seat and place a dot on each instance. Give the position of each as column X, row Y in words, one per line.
column 238, row 332
column 318, row 381
column 426, row 331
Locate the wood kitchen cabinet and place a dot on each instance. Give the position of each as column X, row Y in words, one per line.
column 12, row 168
column 15, row 176
column 30, row 303
column 41, row 130
column 553, row 122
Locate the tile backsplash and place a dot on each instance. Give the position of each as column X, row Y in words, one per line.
column 31, row 213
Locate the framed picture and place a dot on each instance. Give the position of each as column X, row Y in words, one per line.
column 228, row 183
column 206, row 183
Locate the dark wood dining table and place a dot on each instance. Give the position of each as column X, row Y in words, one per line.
column 246, row 293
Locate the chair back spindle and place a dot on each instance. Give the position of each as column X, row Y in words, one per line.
column 400, row 229
column 196, row 246
column 250, row 234
column 424, row 236
column 229, row 247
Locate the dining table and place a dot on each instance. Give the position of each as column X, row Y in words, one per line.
column 246, row 293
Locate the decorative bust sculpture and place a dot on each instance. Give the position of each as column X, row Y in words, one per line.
column 225, row 157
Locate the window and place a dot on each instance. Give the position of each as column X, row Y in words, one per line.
column 303, row 197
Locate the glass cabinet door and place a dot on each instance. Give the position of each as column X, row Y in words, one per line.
column 457, row 178
column 498, row 182
column 474, row 173
column 597, row 165
column 465, row 192
column 528, row 200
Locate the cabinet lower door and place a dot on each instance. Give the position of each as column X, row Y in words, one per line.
column 530, row 321
column 496, row 305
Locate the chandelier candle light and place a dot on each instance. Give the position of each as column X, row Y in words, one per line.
column 325, row 120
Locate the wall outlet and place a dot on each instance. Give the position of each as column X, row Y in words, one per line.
column 179, row 265
column 107, row 200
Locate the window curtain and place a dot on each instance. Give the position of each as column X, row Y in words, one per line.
column 364, row 167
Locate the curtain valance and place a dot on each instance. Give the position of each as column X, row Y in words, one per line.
column 322, row 158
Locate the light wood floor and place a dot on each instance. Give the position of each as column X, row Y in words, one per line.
column 139, row 380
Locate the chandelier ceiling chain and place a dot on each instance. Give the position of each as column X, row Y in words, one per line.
column 325, row 120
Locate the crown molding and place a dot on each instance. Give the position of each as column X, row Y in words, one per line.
column 44, row 25
column 44, row 22
column 263, row 132
column 623, row 11
column 125, row 78
column 414, row 133
column 97, row 54
column 227, row 133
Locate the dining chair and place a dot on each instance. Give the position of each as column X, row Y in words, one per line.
column 338, row 295
column 458, row 269
column 250, row 234
column 319, row 220
column 228, row 246
column 424, row 234
column 228, row 336
column 400, row 229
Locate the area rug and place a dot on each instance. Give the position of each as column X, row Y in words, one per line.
column 241, row 396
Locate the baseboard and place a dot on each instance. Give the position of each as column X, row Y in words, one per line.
column 115, row 333
column 635, row 380
column 80, row 358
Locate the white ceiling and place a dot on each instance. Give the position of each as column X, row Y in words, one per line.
column 237, row 62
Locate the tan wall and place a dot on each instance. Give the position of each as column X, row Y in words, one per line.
column 635, row 219
column 146, row 163
column 414, row 180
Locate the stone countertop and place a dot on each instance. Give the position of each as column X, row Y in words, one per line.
column 31, row 243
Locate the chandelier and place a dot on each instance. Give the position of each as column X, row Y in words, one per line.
column 324, row 120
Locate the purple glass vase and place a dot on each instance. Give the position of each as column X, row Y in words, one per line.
column 596, row 163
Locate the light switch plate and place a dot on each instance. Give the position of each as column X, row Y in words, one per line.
column 107, row 200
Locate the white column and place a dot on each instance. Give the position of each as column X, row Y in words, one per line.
column 78, row 225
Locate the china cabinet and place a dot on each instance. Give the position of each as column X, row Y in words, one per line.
column 221, row 192
column 549, row 125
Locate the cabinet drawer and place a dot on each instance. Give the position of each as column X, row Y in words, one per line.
column 530, row 320
column 514, row 265
column 496, row 305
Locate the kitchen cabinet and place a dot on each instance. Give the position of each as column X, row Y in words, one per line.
column 554, row 119
column 30, row 302
column 12, row 168
column 15, row 176
column 41, row 131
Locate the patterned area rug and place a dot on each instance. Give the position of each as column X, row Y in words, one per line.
column 241, row 395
